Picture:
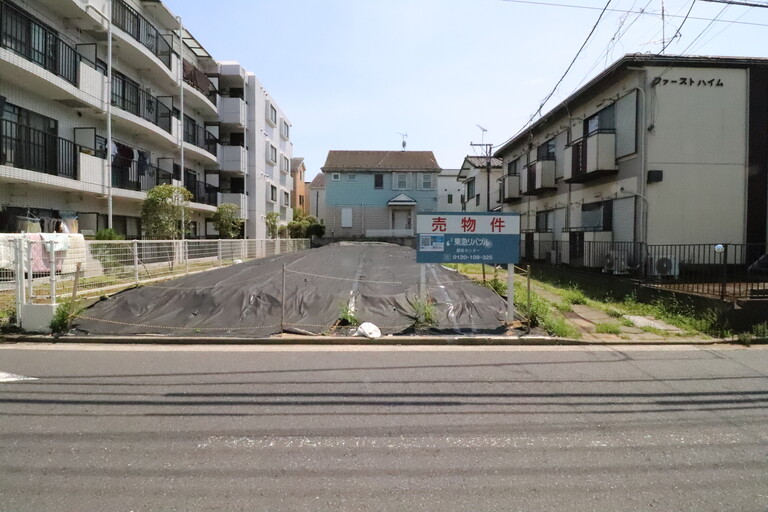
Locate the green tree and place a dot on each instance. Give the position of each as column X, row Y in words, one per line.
column 271, row 220
column 227, row 221
column 163, row 210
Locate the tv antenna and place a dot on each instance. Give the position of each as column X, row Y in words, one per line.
column 483, row 130
column 404, row 136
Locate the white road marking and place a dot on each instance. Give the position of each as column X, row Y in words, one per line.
column 10, row 377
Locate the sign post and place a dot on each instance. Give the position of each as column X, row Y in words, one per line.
column 471, row 237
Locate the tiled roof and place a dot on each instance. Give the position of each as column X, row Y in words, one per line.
column 318, row 182
column 380, row 160
column 480, row 161
column 296, row 163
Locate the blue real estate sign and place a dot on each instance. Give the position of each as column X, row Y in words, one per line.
column 468, row 237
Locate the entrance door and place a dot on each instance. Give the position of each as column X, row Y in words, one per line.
column 401, row 219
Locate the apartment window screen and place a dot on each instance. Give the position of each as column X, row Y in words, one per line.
column 378, row 181
column 346, row 217
column 604, row 121
column 597, row 216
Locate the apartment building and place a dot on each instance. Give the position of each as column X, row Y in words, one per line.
column 655, row 150
column 480, row 177
column 450, row 191
column 79, row 148
column 299, row 197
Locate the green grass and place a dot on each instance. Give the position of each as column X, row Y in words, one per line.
column 608, row 328
column 542, row 313
column 574, row 295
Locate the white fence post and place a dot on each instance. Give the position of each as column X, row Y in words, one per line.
column 219, row 249
column 186, row 255
column 136, row 261
column 19, row 246
column 52, row 263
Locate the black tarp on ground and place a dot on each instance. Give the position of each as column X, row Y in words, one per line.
column 377, row 283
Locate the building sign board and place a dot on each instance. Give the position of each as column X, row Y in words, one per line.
column 468, row 237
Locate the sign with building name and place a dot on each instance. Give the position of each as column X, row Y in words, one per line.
column 687, row 81
column 464, row 237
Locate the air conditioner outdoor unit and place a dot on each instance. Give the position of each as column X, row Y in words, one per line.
column 664, row 266
column 616, row 263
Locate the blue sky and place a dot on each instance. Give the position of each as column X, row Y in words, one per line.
column 353, row 74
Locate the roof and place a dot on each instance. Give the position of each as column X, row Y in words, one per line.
column 402, row 200
column 480, row 161
column 623, row 65
column 318, row 181
column 296, row 163
column 380, row 160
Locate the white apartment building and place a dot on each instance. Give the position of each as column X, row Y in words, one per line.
column 450, row 191
column 480, row 177
column 74, row 150
column 656, row 150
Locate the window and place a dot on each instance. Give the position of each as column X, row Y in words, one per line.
column 400, row 181
column 450, row 198
column 271, row 153
column 471, row 188
column 273, row 193
column 545, row 221
column 513, row 167
column 285, row 165
column 351, row 177
column 286, row 199
column 597, row 216
column 378, row 181
column 125, row 94
column 285, row 130
column 271, row 114
column 546, row 151
column 426, row 181
column 335, row 176
column 604, row 121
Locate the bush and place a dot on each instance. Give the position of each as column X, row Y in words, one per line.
column 108, row 254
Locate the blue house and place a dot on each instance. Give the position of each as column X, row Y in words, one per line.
column 377, row 193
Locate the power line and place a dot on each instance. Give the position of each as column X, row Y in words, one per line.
column 647, row 12
column 548, row 96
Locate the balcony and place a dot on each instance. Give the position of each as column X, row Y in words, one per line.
column 202, row 192
column 200, row 92
column 233, row 159
column 25, row 36
column 130, row 98
column 26, row 148
column 239, row 200
column 591, row 158
column 541, row 177
column 140, row 177
column 134, row 24
column 201, row 139
column 232, row 111
column 510, row 188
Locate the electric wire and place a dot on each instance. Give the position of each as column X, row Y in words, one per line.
column 554, row 89
column 677, row 33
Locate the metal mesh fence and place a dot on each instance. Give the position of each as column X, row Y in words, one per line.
column 48, row 267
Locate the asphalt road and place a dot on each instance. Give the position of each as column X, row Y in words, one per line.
column 406, row 429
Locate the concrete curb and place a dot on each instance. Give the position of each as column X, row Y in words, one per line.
column 347, row 340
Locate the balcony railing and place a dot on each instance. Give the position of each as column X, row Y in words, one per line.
column 129, row 97
column 201, row 192
column 200, row 81
column 129, row 20
column 35, row 150
column 200, row 137
column 35, row 42
column 137, row 176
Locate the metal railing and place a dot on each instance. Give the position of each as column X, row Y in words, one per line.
column 25, row 36
column 202, row 192
column 726, row 271
column 43, row 272
column 35, row 150
column 200, row 137
column 129, row 97
column 138, row 176
column 129, row 20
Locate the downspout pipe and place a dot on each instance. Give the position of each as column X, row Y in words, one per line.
column 643, row 159
column 108, row 167
column 181, row 119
